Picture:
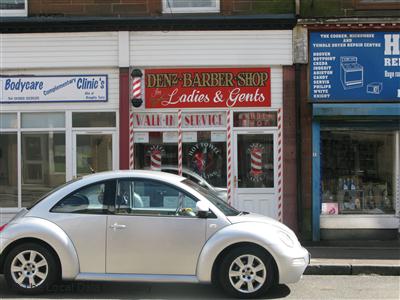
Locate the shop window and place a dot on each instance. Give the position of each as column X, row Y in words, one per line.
column 93, row 119
column 13, row 8
column 255, row 119
column 358, row 172
column 190, row 6
column 43, row 120
column 8, row 170
column 8, row 121
column 204, row 153
column 156, row 149
column 93, row 153
column 255, row 160
column 43, row 164
column 376, row 4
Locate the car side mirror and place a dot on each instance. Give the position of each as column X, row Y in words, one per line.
column 202, row 209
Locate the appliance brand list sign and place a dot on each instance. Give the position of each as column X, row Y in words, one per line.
column 354, row 66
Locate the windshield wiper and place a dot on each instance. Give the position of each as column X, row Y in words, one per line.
column 243, row 213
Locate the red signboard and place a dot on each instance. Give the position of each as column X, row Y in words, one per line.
column 207, row 88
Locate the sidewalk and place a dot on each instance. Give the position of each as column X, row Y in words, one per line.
column 354, row 257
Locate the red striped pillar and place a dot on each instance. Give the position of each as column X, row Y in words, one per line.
column 229, row 156
column 280, row 170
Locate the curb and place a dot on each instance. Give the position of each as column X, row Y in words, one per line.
column 348, row 269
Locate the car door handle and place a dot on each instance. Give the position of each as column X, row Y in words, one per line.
column 117, row 226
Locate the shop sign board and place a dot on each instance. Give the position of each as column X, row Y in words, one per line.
column 355, row 66
column 170, row 120
column 39, row 89
column 208, row 88
column 156, row 120
column 202, row 120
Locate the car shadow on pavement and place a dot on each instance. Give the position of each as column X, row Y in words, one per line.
column 96, row 290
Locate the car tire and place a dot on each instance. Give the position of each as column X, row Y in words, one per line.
column 30, row 269
column 246, row 272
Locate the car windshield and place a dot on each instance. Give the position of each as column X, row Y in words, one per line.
column 224, row 207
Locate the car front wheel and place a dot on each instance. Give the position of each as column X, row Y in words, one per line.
column 246, row 272
column 30, row 269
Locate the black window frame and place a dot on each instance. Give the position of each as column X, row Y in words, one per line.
column 106, row 211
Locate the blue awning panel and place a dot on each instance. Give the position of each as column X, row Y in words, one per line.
column 366, row 109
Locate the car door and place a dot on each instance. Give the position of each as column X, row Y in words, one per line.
column 154, row 230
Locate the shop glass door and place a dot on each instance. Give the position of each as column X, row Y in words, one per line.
column 254, row 172
column 93, row 152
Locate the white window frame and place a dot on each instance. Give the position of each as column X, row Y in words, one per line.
column 166, row 9
column 15, row 12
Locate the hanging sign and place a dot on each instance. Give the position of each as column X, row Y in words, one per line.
column 355, row 66
column 38, row 89
column 208, row 87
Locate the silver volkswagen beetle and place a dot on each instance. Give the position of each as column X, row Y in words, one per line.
column 149, row 227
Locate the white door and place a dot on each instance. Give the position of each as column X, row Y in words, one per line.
column 93, row 151
column 254, row 183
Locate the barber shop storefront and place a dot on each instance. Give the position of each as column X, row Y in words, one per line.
column 354, row 87
column 218, row 124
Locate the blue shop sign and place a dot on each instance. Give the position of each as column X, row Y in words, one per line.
column 355, row 66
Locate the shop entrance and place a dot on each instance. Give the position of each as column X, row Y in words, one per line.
column 93, row 152
column 254, row 172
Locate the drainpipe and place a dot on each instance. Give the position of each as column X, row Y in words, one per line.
column 297, row 7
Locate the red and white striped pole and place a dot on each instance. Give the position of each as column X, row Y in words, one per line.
column 280, row 169
column 229, row 156
column 180, row 142
column 136, row 101
column 155, row 160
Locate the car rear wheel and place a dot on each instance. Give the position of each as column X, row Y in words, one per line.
column 246, row 272
column 30, row 269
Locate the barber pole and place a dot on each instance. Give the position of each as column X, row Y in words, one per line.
column 136, row 93
column 280, row 170
column 155, row 160
column 229, row 154
column 256, row 161
column 180, row 142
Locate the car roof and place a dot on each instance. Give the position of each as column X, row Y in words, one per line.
column 184, row 170
column 133, row 173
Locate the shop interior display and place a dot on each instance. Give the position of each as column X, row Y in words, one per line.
column 355, row 176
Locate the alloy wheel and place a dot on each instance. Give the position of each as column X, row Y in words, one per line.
column 29, row 269
column 247, row 273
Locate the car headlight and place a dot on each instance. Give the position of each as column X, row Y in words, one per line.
column 286, row 239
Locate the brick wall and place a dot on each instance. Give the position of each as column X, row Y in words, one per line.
column 94, row 7
column 289, row 149
column 346, row 8
column 147, row 7
column 306, row 155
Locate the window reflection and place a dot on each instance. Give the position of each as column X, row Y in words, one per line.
column 43, row 164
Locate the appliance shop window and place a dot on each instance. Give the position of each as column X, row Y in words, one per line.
column 152, row 150
column 358, row 172
column 204, row 152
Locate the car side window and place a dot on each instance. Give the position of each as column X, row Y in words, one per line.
column 152, row 198
column 93, row 199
